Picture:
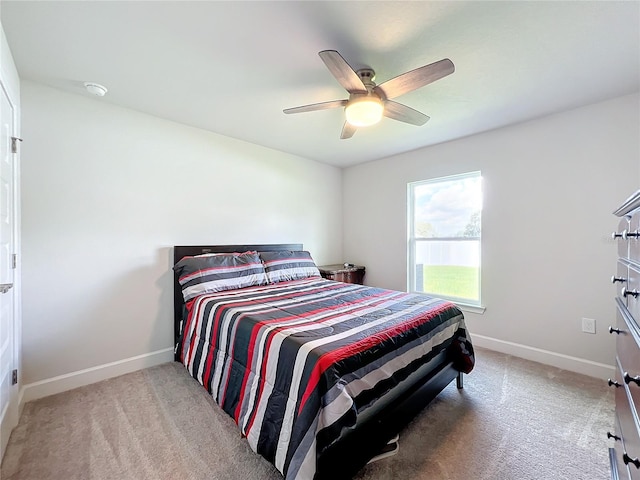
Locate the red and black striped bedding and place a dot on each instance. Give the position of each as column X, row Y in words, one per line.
column 296, row 363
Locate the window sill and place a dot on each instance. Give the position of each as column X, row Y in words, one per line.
column 479, row 309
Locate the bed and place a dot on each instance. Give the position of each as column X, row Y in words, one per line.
column 318, row 375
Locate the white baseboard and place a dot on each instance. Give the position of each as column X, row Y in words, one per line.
column 559, row 360
column 69, row 381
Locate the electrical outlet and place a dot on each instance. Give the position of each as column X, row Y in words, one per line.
column 588, row 325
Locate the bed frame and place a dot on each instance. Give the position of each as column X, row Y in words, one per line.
column 352, row 451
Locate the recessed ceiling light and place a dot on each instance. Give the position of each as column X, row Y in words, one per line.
column 95, row 89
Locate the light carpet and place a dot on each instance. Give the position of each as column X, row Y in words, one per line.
column 514, row 419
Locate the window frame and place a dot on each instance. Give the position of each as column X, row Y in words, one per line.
column 470, row 304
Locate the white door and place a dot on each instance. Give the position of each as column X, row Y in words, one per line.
column 8, row 360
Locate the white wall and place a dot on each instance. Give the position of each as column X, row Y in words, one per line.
column 9, row 72
column 550, row 186
column 107, row 191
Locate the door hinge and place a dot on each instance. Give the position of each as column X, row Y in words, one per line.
column 14, row 260
column 14, row 377
column 14, row 144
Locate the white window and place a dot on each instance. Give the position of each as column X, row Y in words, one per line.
column 444, row 237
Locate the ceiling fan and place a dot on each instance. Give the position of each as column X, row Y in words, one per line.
column 368, row 102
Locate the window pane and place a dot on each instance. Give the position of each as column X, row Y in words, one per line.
column 444, row 237
column 449, row 208
column 448, row 268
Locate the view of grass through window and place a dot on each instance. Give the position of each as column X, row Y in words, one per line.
column 444, row 237
column 452, row 280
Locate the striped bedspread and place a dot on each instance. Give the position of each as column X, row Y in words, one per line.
column 295, row 363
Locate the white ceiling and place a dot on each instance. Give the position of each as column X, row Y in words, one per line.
column 232, row 67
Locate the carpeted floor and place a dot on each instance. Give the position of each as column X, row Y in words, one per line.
column 514, row 420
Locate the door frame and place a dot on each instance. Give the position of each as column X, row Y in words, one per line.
column 9, row 84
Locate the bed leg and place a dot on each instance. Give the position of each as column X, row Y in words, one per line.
column 459, row 381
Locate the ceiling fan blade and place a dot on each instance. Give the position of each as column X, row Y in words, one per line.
column 343, row 72
column 401, row 112
column 316, row 106
column 415, row 79
column 348, row 130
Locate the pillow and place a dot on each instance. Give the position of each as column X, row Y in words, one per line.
column 214, row 273
column 288, row 265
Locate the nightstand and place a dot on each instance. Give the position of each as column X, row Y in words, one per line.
column 340, row 273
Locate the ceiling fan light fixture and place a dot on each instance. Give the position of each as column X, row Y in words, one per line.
column 364, row 111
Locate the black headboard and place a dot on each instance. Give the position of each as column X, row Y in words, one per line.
column 180, row 251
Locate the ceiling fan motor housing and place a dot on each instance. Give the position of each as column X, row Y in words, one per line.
column 367, row 75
